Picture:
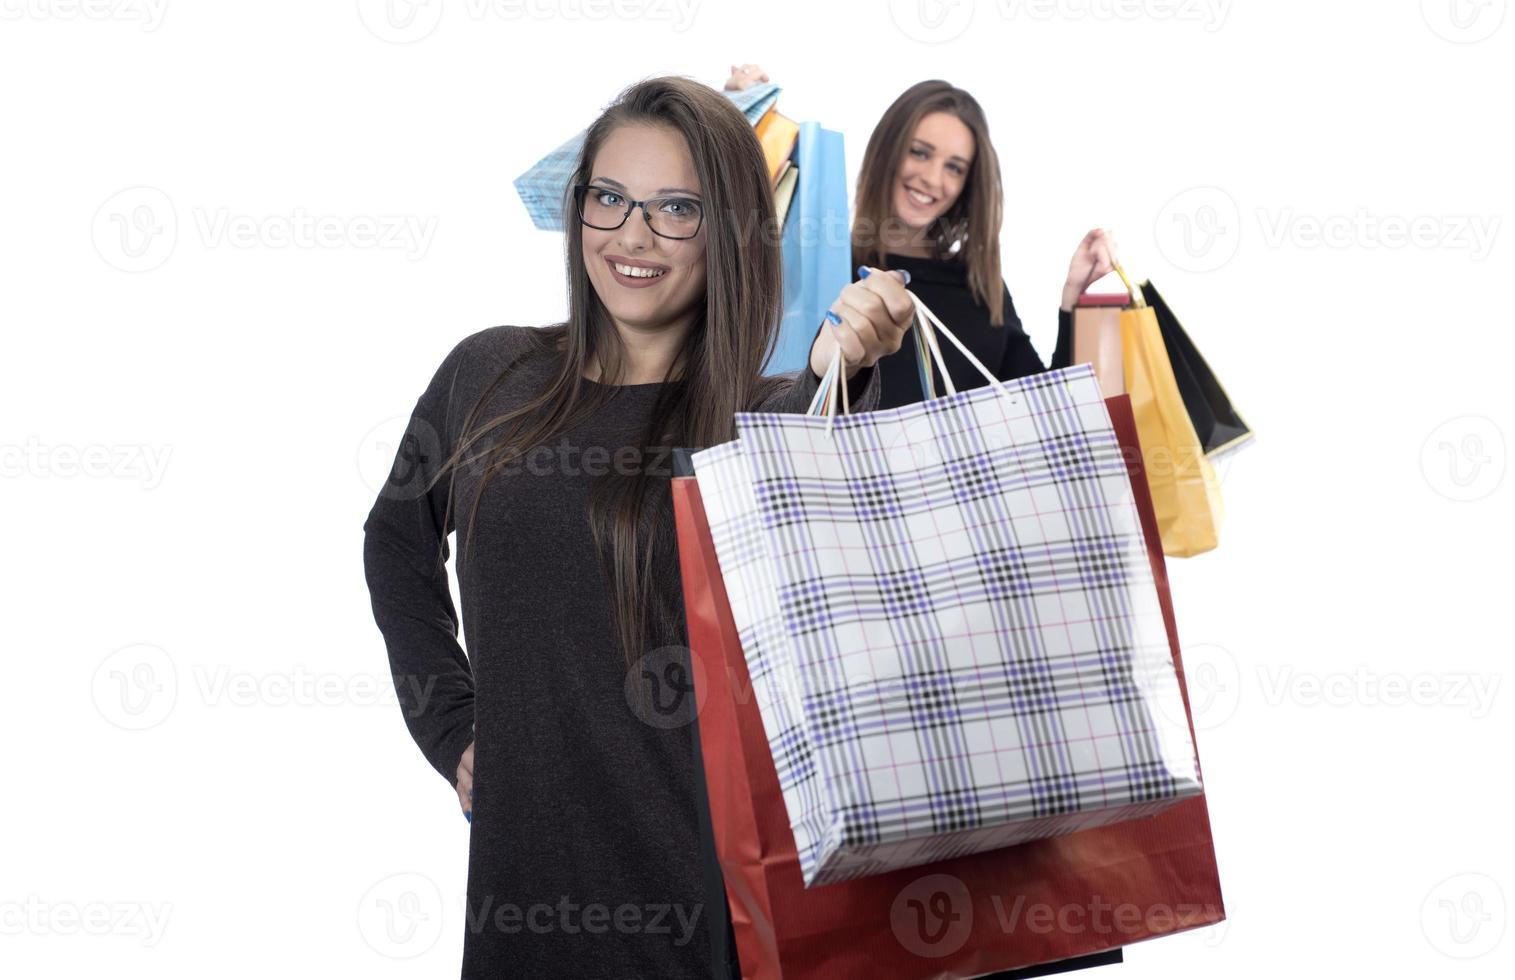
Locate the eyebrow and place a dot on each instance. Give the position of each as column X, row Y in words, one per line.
column 932, row 148
column 661, row 190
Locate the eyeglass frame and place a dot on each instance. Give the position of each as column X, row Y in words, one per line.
column 579, row 190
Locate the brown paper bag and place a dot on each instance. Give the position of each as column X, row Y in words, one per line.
column 1097, row 340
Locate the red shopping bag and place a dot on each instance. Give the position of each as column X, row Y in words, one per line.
column 1034, row 903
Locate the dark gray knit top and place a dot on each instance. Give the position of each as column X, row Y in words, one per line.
column 584, row 854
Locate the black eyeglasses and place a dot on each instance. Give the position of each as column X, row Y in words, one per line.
column 607, row 210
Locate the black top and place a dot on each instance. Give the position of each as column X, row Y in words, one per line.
column 942, row 284
column 585, row 847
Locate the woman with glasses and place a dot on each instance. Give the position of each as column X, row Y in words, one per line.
column 929, row 201
column 547, row 450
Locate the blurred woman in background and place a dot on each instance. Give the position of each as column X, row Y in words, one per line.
column 930, row 202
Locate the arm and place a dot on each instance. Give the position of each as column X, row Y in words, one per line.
column 404, row 559
column 1020, row 358
column 1094, row 257
column 1062, row 355
column 867, row 321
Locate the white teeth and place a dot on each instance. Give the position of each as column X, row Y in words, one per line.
column 637, row 272
column 918, row 197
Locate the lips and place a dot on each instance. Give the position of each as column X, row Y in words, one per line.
column 919, row 198
column 635, row 273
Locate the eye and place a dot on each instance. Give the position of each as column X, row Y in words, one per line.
column 680, row 207
column 918, row 153
column 608, row 198
column 956, row 168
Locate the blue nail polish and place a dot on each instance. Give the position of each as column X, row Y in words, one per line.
column 468, row 815
column 906, row 274
column 833, row 318
column 862, row 272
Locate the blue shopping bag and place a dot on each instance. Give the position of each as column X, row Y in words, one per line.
column 817, row 245
column 544, row 187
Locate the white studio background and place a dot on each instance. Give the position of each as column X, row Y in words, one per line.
column 202, row 770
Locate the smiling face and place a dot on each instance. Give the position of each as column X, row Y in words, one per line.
column 648, row 283
column 934, row 170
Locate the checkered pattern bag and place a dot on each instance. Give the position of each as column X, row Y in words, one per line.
column 949, row 619
column 544, row 187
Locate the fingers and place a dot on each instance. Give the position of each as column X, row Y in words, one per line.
column 897, row 306
column 849, row 333
column 465, row 782
column 875, row 313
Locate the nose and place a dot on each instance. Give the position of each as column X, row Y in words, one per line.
column 635, row 235
column 927, row 176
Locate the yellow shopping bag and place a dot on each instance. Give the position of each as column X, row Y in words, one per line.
column 1185, row 489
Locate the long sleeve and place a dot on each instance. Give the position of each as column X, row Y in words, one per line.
column 1062, row 355
column 404, row 558
column 799, row 387
column 1020, row 358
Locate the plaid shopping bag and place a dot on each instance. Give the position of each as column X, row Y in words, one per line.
column 1161, row 871
column 544, row 186
column 952, row 627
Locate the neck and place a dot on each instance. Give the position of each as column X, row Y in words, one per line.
column 649, row 352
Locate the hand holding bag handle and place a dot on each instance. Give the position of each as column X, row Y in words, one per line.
column 927, row 324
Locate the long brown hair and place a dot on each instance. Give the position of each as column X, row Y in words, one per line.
column 716, row 373
column 972, row 224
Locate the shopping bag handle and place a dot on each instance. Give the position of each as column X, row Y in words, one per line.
column 926, row 340
column 927, row 324
column 1137, row 299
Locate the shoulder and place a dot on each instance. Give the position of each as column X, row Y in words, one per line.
column 498, row 346
column 485, row 353
column 475, row 362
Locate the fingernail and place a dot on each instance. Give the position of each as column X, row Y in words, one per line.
column 468, row 815
column 833, row 318
column 862, row 272
column 906, row 274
